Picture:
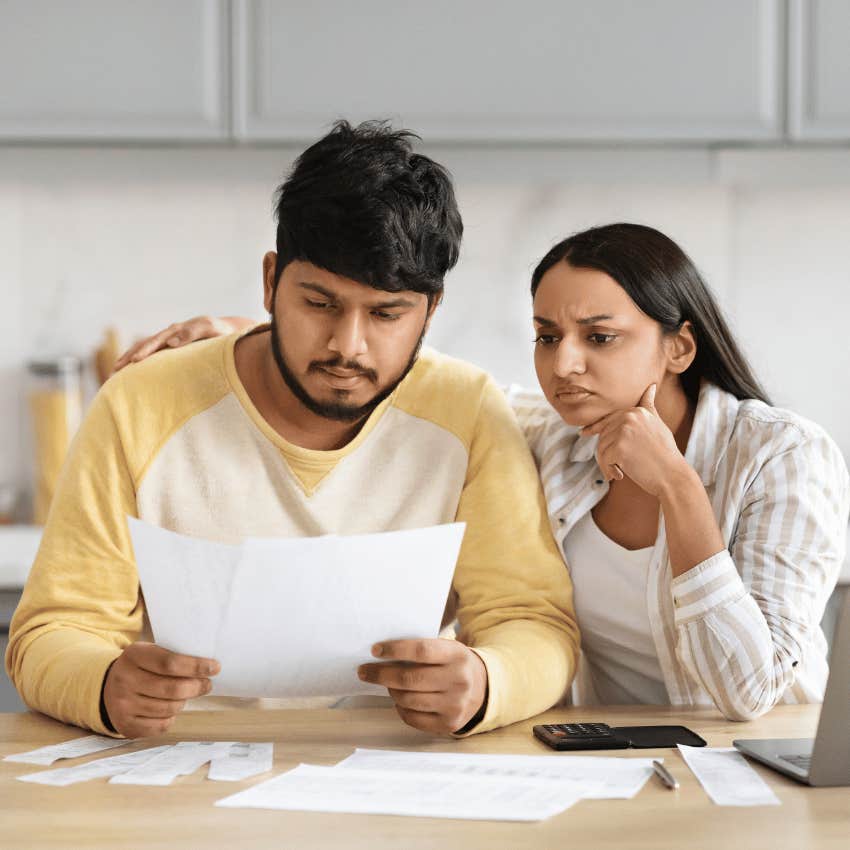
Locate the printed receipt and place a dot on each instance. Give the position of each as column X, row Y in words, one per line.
column 727, row 778
column 94, row 769
column 75, row 748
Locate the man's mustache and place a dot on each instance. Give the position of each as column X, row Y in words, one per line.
column 347, row 365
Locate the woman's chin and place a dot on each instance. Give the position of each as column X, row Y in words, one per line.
column 578, row 412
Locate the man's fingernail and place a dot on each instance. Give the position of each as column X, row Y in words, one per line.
column 377, row 650
column 212, row 669
column 361, row 673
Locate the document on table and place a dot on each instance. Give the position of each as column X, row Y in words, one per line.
column 251, row 605
column 605, row 777
column 97, row 769
column 727, row 778
column 75, row 748
column 437, row 795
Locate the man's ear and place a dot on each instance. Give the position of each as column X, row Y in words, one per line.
column 432, row 308
column 681, row 349
column 269, row 266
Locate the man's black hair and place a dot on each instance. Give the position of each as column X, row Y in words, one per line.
column 359, row 203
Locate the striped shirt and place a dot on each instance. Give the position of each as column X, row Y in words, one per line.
column 741, row 630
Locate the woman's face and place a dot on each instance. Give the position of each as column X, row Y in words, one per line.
column 595, row 350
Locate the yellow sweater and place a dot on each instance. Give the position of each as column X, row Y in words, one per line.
column 176, row 441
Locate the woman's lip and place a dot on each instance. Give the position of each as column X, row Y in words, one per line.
column 572, row 395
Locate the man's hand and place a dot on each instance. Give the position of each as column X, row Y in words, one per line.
column 147, row 687
column 437, row 685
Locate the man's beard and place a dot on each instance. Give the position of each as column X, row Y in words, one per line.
column 339, row 411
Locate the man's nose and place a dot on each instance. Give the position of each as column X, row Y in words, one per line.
column 349, row 337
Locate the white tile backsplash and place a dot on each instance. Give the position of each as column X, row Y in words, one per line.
column 138, row 237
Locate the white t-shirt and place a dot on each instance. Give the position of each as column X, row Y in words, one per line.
column 610, row 589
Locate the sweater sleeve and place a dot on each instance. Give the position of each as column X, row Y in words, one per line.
column 81, row 603
column 745, row 615
column 514, row 594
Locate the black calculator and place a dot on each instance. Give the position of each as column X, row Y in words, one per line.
column 580, row 736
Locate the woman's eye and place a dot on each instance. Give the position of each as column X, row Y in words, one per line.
column 602, row 339
column 545, row 339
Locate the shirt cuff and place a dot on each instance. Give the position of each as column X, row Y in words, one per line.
column 711, row 584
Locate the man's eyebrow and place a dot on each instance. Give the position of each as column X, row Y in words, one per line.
column 314, row 287
column 383, row 305
column 396, row 302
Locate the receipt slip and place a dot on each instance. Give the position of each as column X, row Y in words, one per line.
column 75, row 748
column 241, row 761
column 434, row 795
column 727, row 777
column 97, row 769
column 180, row 760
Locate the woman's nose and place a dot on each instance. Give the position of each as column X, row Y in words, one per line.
column 569, row 359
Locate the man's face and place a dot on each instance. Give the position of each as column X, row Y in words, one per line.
column 341, row 346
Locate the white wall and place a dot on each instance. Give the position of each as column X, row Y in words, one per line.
column 138, row 237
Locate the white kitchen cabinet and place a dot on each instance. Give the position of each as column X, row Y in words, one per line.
column 819, row 69
column 539, row 70
column 114, row 69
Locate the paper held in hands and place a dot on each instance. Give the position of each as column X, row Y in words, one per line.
column 293, row 617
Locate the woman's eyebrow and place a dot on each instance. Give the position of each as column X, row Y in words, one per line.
column 540, row 320
column 592, row 320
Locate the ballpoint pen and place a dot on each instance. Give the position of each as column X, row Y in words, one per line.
column 664, row 775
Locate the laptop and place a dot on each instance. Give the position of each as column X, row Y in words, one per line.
column 826, row 759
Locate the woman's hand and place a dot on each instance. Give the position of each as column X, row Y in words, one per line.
column 636, row 442
column 182, row 333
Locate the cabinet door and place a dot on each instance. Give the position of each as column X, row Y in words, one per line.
column 540, row 70
column 819, row 69
column 114, row 69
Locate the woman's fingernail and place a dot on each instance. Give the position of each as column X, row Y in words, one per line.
column 377, row 650
column 361, row 673
column 173, row 340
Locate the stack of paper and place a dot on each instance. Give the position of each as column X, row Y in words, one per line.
column 220, row 601
column 448, row 785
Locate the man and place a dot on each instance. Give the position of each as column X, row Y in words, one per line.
column 328, row 420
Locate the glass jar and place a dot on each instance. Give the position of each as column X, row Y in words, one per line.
column 55, row 400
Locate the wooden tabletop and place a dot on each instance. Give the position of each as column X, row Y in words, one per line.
column 99, row 815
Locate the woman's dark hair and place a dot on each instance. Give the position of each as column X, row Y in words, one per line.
column 361, row 204
column 661, row 279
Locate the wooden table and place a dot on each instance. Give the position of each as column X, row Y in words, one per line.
column 98, row 815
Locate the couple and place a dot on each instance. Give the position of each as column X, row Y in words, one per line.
column 703, row 528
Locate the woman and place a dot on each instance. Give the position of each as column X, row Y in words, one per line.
column 704, row 529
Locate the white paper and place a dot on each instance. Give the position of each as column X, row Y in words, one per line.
column 242, row 761
column 604, row 777
column 75, row 748
column 727, row 777
column 180, row 760
column 294, row 617
column 97, row 769
column 438, row 795
column 186, row 585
